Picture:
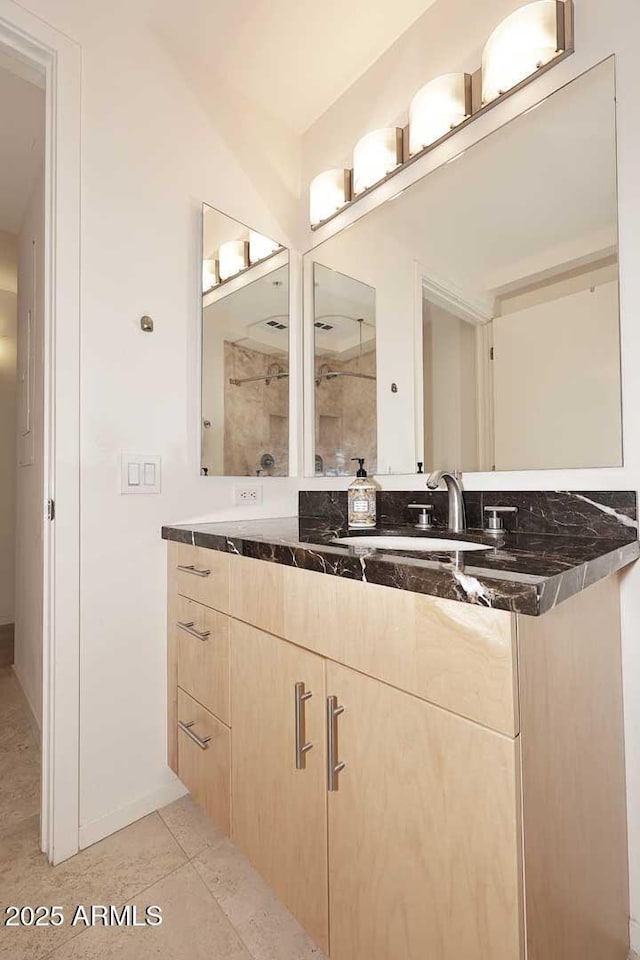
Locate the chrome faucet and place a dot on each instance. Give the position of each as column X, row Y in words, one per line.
column 457, row 519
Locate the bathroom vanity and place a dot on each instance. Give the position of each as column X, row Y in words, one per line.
column 421, row 752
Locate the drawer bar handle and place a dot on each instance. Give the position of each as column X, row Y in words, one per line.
column 334, row 767
column 301, row 746
column 190, row 628
column 193, row 570
column 202, row 742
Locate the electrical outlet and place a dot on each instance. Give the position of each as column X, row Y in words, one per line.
column 243, row 496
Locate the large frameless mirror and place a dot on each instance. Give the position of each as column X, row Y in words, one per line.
column 494, row 285
column 245, row 351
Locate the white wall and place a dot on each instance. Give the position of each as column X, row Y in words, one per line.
column 8, row 347
column 449, row 37
column 29, row 504
column 379, row 261
column 556, row 376
column 150, row 156
column 451, row 411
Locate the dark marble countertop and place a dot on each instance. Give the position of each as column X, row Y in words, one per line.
column 528, row 573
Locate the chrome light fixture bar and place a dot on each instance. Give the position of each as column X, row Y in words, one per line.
column 210, row 275
column 376, row 155
column 438, row 108
column 525, row 41
column 528, row 42
column 328, row 194
column 236, row 257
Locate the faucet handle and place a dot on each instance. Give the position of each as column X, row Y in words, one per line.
column 424, row 520
column 495, row 521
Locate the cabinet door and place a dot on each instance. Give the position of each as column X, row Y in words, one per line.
column 279, row 811
column 424, row 834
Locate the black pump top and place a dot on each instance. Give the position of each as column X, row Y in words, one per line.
column 361, row 470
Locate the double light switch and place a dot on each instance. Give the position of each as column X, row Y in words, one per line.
column 140, row 473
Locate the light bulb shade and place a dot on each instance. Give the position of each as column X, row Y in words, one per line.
column 260, row 246
column 525, row 41
column 437, row 108
column 233, row 257
column 329, row 191
column 374, row 156
column 210, row 277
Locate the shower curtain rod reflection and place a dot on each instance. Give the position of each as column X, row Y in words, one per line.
column 328, row 375
column 267, row 379
column 331, row 374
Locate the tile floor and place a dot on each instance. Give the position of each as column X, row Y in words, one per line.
column 214, row 905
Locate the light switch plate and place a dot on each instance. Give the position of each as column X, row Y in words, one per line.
column 140, row 473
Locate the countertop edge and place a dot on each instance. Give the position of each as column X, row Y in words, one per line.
column 446, row 582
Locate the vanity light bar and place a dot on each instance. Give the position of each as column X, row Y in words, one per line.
column 375, row 156
column 328, row 194
column 438, row 108
column 525, row 44
column 236, row 257
column 233, row 258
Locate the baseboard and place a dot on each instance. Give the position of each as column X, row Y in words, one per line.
column 32, row 714
column 7, row 644
column 96, row 830
column 635, row 940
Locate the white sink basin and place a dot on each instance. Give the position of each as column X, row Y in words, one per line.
column 419, row 544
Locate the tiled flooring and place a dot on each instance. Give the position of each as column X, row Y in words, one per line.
column 214, row 905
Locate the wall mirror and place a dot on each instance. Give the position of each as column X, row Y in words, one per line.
column 245, row 350
column 344, row 326
column 491, row 291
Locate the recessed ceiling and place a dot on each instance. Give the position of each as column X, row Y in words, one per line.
column 293, row 57
column 22, row 113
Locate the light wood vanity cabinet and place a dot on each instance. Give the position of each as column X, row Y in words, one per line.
column 279, row 787
column 480, row 811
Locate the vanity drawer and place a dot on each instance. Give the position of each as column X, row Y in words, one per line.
column 202, row 639
column 256, row 593
column 204, row 759
column 456, row 655
column 201, row 575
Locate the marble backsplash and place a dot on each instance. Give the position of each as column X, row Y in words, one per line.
column 608, row 514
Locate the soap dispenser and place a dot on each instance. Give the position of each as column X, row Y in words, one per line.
column 362, row 498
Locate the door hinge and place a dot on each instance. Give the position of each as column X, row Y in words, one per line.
column 51, row 509
column 491, row 354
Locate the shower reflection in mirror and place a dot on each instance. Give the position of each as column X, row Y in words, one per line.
column 245, row 351
column 345, row 372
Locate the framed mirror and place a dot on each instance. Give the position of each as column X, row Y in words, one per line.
column 495, row 285
column 245, row 351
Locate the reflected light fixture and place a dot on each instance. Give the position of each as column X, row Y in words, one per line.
column 329, row 191
column 210, row 277
column 374, row 156
column 523, row 43
column 260, row 246
column 438, row 108
column 233, row 257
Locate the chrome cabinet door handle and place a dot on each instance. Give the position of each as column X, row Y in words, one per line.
column 189, row 627
column 193, row 570
column 301, row 746
column 334, row 766
column 202, row 742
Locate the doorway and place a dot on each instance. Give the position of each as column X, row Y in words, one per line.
column 49, row 363
column 22, row 152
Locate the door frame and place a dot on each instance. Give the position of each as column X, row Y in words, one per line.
column 57, row 57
